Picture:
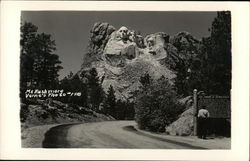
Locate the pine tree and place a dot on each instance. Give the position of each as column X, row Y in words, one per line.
column 210, row 69
column 121, row 110
column 216, row 56
column 95, row 90
column 28, row 35
column 39, row 66
column 110, row 102
column 46, row 64
column 73, row 83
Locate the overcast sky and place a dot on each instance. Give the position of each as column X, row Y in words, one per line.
column 71, row 30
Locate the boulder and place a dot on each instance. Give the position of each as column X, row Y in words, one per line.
column 182, row 126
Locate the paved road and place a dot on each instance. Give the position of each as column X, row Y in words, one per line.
column 110, row 134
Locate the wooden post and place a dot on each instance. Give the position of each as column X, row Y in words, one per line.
column 195, row 111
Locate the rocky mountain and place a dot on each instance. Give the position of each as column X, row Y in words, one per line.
column 122, row 56
column 187, row 46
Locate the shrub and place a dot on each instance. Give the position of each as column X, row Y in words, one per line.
column 156, row 106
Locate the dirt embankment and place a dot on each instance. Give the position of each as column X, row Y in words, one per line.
column 38, row 116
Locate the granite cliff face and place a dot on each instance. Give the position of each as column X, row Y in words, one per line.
column 122, row 56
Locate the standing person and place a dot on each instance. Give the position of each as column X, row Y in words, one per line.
column 203, row 114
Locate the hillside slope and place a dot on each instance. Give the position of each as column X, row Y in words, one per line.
column 40, row 112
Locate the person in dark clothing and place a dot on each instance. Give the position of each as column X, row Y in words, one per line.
column 203, row 114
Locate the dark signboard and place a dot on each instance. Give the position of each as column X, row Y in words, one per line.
column 218, row 106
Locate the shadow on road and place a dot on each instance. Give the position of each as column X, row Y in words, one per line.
column 56, row 137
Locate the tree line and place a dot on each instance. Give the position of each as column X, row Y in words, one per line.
column 93, row 95
column 209, row 68
column 39, row 65
column 39, row 69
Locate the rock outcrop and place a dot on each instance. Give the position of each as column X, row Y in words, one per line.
column 187, row 46
column 183, row 126
column 99, row 36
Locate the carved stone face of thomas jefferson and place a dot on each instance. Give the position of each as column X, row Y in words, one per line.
column 123, row 33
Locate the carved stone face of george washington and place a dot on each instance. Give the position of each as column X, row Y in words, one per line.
column 123, row 33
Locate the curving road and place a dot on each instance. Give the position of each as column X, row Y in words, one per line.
column 110, row 134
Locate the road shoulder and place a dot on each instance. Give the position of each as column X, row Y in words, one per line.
column 209, row 143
